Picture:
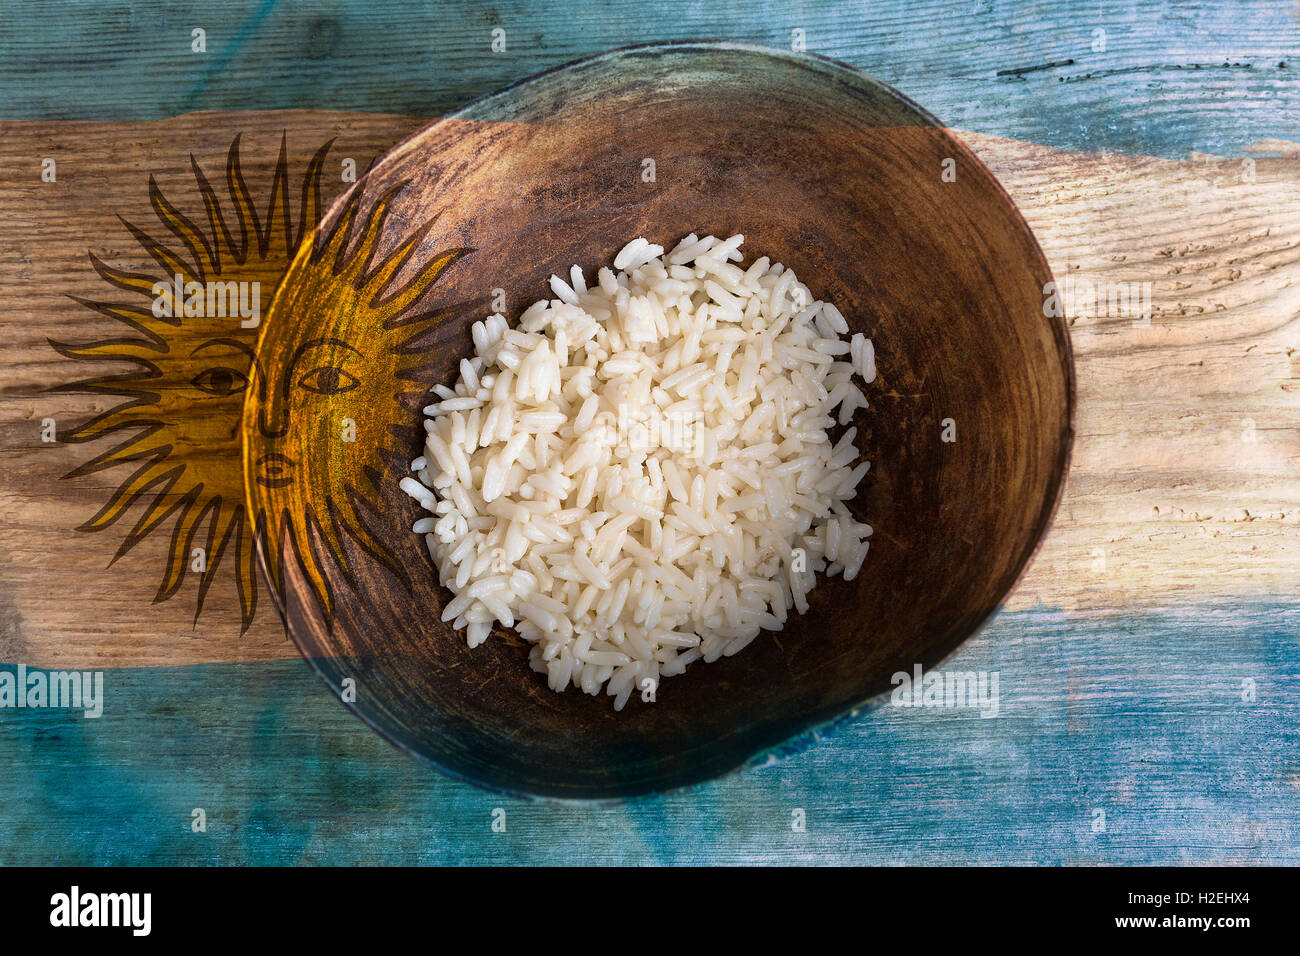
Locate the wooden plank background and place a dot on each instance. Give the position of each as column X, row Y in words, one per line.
column 1168, row 579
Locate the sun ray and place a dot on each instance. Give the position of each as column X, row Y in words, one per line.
column 156, row 511
column 227, row 524
column 104, row 385
column 246, row 562
column 172, row 264
column 155, row 328
column 243, row 202
column 144, row 480
column 273, row 241
column 183, row 531
column 183, row 229
column 124, row 452
column 310, row 207
column 121, row 350
column 126, row 281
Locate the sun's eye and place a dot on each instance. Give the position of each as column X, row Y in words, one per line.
column 328, row 380
column 220, row 380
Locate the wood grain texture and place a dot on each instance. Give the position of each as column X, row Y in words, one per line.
column 1138, row 716
column 103, row 173
column 1174, row 76
column 1137, row 712
column 1184, row 484
column 1165, row 501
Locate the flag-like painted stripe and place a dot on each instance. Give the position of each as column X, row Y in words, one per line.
column 1129, row 736
column 1161, row 77
column 1173, row 491
column 1135, row 740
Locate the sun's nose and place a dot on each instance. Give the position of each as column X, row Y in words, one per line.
column 273, row 419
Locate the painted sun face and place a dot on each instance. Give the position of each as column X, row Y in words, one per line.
column 334, row 365
column 200, row 391
column 191, row 366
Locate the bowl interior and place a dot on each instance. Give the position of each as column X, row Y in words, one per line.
column 875, row 206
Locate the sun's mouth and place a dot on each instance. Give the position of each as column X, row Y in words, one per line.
column 275, row 470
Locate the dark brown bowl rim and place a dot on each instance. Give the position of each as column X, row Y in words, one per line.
column 820, row 725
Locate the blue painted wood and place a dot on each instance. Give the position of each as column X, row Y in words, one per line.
column 1139, row 716
column 1136, row 715
column 1174, row 75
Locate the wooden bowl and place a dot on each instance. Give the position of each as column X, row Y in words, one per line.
column 878, row 209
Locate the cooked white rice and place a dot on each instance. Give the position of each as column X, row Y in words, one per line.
column 640, row 474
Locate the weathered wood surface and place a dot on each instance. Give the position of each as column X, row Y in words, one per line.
column 1119, row 740
column 1129, row 701
column 62, row 601
column 1169, row 77
column 1184, row 482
